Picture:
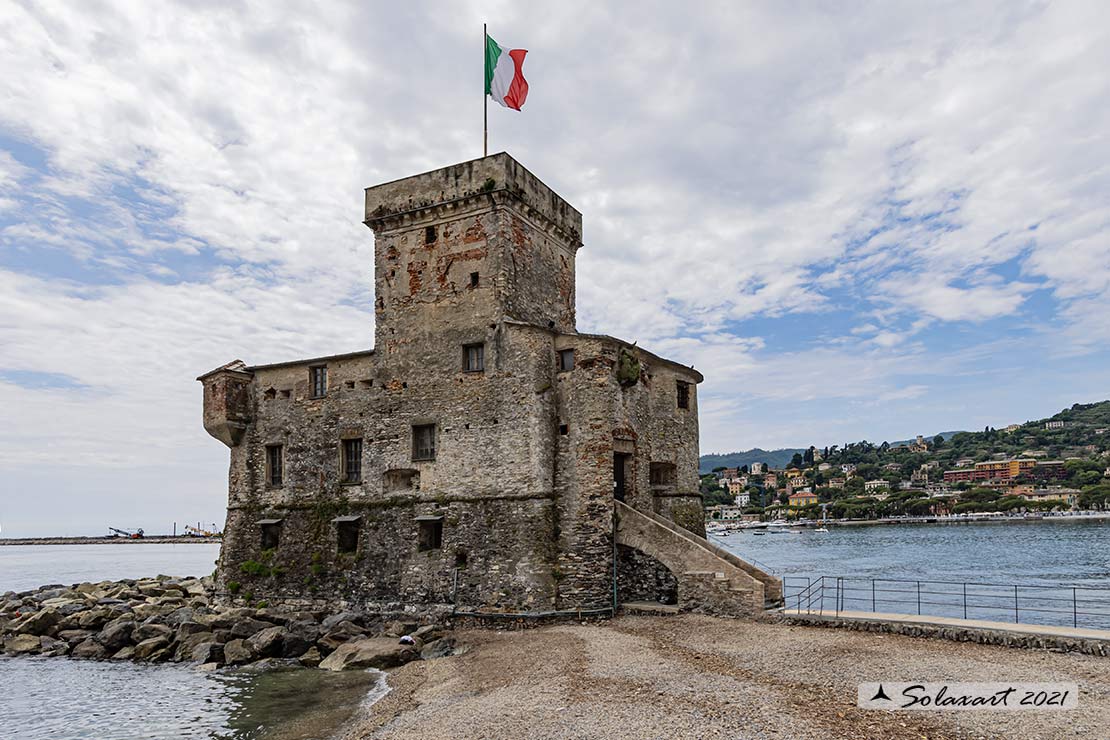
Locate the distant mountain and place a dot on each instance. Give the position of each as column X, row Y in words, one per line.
column 773, row 458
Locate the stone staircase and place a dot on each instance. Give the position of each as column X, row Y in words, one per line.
column 711, row 580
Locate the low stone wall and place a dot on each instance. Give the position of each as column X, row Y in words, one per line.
column 957, row 633
column 641, row 577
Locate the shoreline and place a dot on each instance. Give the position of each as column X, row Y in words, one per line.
column 156, row 539
column 918, row 521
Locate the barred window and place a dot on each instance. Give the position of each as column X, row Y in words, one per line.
column 318, row 375
column 683, row 395
column 274, row 465
column 474, row 358
column 352, row 460
column 424, row 442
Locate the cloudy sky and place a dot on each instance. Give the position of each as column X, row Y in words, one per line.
column 858, row 220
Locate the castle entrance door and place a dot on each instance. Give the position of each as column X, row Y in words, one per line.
column 620, row 466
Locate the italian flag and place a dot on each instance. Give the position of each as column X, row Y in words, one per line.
column 505, row 74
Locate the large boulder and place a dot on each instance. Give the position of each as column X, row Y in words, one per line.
column 440, row 648
column 42, row 622
column 208, row 652
column 267, row 643
column 52, row 648
column 355, row 617
column 310, row 659
column 116, row 634
column 339, row 634
column 90, row 648
column 374, row 652
column 185, row 647
column 180, row 616
column 22, row 644
column 73, row 637
column 237, row 652
column 248, row 627
column 150, row 646
column 147, row 630
column 94, row 619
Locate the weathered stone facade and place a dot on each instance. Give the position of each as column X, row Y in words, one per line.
column 470, row 461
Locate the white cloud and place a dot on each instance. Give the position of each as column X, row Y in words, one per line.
column 926, row 168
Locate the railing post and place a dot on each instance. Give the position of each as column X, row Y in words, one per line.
column 1015, row 604
column 839, row 594
column 1074, row 611
column 919, row 598
column 965, row 600
column 873, row 609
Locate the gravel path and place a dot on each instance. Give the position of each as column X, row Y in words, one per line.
column 690, row 676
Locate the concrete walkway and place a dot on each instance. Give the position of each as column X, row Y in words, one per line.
column 1032, row 630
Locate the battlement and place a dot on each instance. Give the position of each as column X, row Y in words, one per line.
column 495, row 176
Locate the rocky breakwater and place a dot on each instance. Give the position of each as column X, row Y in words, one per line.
column 163, row 619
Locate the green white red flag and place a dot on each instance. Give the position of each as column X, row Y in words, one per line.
column 505, row 81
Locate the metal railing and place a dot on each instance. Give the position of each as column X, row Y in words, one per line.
column 1058, row 605
column 728, row 547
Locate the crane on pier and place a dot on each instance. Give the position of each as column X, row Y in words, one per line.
column 136, row 535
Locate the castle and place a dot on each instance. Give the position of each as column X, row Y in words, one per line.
column 485, row 457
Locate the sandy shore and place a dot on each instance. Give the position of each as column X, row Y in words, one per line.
column 690, row 676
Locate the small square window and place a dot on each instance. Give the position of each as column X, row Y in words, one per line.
column 275, row 464
column 473, row 280
column 318, row 376
column 683, row 395
column 352, row 461
column 429, row 234
column 460, row 559
column 271, row 533
column 474, row 358
column 346, row 534
column 430, row 535
column 566, row 360
column 564, row 429
column 424, row 442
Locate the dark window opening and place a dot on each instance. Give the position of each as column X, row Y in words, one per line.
column 474, row 358
column 319, row 378
column 661, row 474
column 460, row 559
column 270, row 393
column 473, row 280
column 683, row 395
column 271, row 535
column 350, row 384
column 566, row 360
column 346, row 535
column 430, row 536
column 274, row 465
column 352, row 460
column 429, row 234
column 424, row 442
column 286, row 394
column 564, row 429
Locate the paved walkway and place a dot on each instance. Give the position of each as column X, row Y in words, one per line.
column 1040, row 630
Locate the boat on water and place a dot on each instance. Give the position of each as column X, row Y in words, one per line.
column 822, row 528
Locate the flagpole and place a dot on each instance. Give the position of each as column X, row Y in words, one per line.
column 485, row 99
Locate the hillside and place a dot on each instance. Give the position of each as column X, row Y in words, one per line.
column 1085, row 432
column 774, row 458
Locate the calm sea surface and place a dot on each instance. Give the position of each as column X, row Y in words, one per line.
column 61, row 699
column 1056, row 555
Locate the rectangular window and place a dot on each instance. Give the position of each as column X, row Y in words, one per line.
column 346, row 533
column 661, row 474
column 274, row 465
column 430, row 536
column 271, row 533
column 473, row 280
column 424, row 442
column 318, row 376
column 474, row 358
column 683, row 395
column 566, row 360
column 352, row 461
column 429, row 234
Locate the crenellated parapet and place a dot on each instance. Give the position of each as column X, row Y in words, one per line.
column 227, row 402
